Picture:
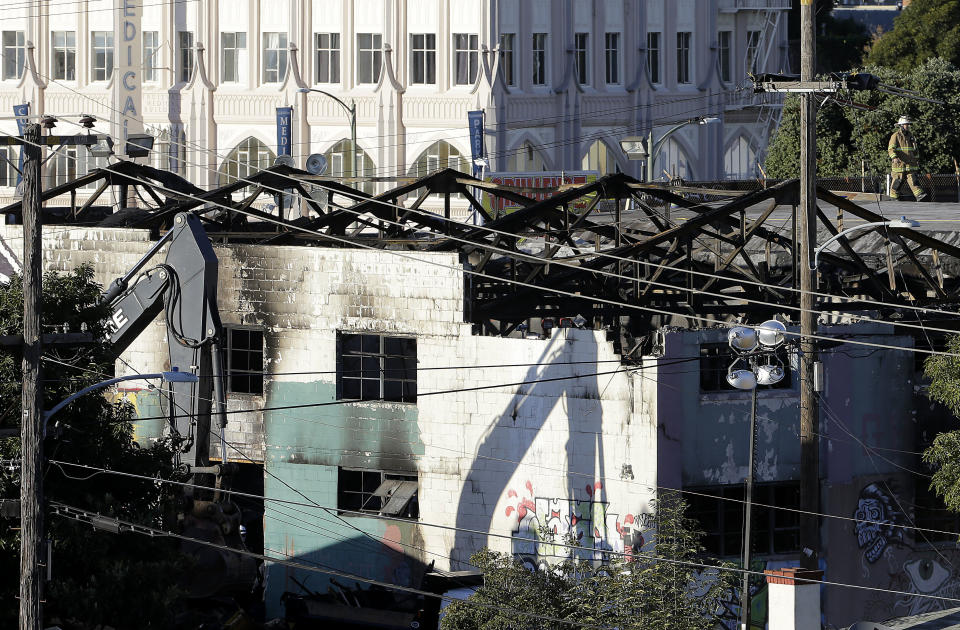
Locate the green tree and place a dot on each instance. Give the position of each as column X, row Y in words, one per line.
column 850, row 138
column 637, row 593
column 924, row 30
column 127, row 580
column 944, row 454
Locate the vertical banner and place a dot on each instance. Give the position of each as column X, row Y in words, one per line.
column 127, row 72
column 21, row 112
column 475, row 122
column 284, row 118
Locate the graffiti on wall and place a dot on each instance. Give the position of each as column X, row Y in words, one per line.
column 549, row 524
column 889, row 559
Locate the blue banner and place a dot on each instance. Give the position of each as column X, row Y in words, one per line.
column 475, row 122
column 284, row 118
column 21, row 112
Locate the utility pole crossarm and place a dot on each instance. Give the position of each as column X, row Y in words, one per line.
column 802, row 87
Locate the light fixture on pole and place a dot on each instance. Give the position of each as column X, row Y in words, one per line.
column 640, row 148
column 351, row 111
column 756, row 364
column 901, row 223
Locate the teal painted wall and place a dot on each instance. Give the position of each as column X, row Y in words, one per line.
column 304, row 448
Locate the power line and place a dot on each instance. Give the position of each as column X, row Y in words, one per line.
column 562, row 263
column 79, row 515
column 552, row 289
column 83, row 516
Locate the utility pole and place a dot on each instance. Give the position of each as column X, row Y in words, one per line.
column 31, row 429
column 807, row 243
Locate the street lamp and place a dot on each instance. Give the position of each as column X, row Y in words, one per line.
column 640, row 148
column 173, row 376
column 756, row 348
column 351, row 111
column 902, row 222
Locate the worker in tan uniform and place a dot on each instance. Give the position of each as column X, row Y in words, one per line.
column 902, row 150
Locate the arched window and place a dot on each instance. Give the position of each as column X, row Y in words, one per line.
column 247, row 158
column 438, row 156
column 673, row 161
column 526, row 159
column 740, row 160
column 600, row 158
column 338, row 165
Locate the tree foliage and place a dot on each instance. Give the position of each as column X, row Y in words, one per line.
column 924, row 30
column 849, row 139
column 125, row 581
column 943, row 455
column 637, row 593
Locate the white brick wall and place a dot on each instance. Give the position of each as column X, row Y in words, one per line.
column 542, row 441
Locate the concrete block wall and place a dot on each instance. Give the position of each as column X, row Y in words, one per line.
column 524, row 434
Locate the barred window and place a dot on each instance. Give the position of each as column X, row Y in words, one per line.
column 245, row 361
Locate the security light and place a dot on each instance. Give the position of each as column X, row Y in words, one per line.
column 139, row 145
column 742, row 339
column 634, row 147
column 770, row 333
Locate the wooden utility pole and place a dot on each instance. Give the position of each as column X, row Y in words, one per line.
column 31, row 429
column 807, row 243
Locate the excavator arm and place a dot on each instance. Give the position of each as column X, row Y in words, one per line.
column 184, row 287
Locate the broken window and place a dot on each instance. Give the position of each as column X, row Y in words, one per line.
column 376, row 367
column 377, row 492
column 245, row 361
column 719, row 511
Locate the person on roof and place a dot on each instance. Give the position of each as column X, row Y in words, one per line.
column 902, row 150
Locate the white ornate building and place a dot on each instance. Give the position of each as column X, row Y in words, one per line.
column 559, row 81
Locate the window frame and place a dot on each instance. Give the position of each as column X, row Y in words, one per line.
column 752, row 49
column 326, row 58
column 426, row 73
column 238, row 53
column 508, row 43
column 684, row 75
column 374, row 379
column 611, row 55
column 466, row 59
column 539, row 59
column 8, row 173
column 17, row 52
column 274, row 51
column 250, row 375
column 151, row 48
column 724, row 55
column 101, row 52
column 581, row 57
column 185, row 56
column 375, row 52
column 768, row 525
column 67, row 71
column 654, row 57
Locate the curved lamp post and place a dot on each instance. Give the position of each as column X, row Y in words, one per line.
column 640, row 148
column 173, row 376
column 351, row 111
column 902, row 222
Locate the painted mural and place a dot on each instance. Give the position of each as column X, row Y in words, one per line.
column 896, row 556
column 549, row 522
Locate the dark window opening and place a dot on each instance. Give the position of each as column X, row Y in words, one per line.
column 378, row 492
column 715, row 360
column 374, row 367
column 245, row 361
column 719, row 510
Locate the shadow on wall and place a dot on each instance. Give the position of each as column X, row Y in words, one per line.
column 513, row 432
